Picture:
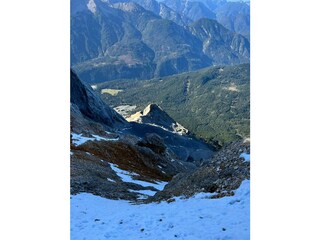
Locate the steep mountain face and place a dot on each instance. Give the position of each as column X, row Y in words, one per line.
column 213, row 103
column 217, row 42
column 163, row 11
column 113, row 158
column 122, row 40
column 85, row 100
column 235, row 16
column 193, row 10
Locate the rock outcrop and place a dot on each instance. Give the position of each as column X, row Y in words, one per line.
column 90, row 105
column 153, row 114
column 223, row 174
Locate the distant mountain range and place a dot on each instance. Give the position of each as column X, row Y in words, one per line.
column 234, row 16
column 143, row 39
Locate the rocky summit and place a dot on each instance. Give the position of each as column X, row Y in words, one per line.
column 153, row 114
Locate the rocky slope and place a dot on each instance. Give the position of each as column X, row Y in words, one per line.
column 85, row 100
column 113, row 158
column 154, row 115
column 223, row 174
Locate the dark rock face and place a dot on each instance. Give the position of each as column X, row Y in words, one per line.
column 182, row 146
column 154, row 142
column 91, row 106
column 223, row 174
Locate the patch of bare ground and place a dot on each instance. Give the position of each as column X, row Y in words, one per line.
column 128, row 157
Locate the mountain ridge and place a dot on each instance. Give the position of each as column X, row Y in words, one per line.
column 115, row 43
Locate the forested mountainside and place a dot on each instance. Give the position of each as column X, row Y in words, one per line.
column 116, row 40
column 213, row 103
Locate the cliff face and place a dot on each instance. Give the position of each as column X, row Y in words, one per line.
column 91, row 106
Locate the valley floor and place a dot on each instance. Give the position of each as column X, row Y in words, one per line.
column 94, row 218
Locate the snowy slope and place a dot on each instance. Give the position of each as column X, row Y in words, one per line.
column 197, row 218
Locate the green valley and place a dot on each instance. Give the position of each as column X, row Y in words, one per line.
column 213, row 103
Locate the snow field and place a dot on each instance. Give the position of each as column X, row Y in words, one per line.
column 197, row 218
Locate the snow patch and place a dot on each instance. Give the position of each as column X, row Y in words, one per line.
column 111, row 180
column 127, row 177
column 246, row 157
column 144, row 193
column 78, row 139
column 200, row 218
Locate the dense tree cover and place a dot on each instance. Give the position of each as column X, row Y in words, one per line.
column 213, row 103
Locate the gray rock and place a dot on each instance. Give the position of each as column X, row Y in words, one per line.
column 154, row 142
column 91, row 105
column 223, row 174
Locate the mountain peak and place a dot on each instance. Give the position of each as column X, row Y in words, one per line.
column 153, row 114
column 153, row 108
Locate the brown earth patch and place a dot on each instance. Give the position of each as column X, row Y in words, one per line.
column 126, row 156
